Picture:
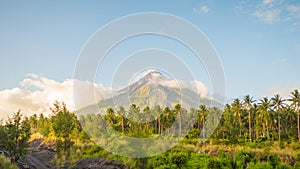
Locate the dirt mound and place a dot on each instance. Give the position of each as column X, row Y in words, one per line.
column 97, row 163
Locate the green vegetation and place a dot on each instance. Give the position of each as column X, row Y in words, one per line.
column 14, row 136
column 5, row 163
column 250, row 134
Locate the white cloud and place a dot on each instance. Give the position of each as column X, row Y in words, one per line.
column 37, row 94
column 200, row 87
column 174, row 83
column 195, row 86
column 272, row 11
column 267, row 1
column 294, row 11
column 269, row 16
column 202, row 9
column 139, row 75
column 44, row 92
column 293, row 8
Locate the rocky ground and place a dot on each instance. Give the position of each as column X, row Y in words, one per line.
column 96, row 163
column 42, row 153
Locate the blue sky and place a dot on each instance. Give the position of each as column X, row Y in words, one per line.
column 258, row 41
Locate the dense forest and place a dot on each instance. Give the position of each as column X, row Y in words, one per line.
column 250, row 133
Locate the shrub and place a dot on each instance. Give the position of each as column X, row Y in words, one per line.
column 244, row 158
column 214, row 163
column 260, row 165
column 179, row 159
column 273, row 160
column 5, row 163
column 281, row 145
column 160, row 160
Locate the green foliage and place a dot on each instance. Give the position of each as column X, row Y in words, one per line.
column 43, row 125
column 273, row 160
column 243, row 123
column 15, row 135
column 281, row 145
column 160, row 160
column 214, row 163
column 244, row 158
column 5, row 163
column 260, row 165
column 179, row 158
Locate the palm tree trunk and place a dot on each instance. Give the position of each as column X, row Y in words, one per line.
column 180, row 123
column 159, row 126
column 268, row 134
column 264, row 130
column 279, row 125
column 249, row 121
column 298, row 124
column 123, row 124
column 204, row 136
column 240, row 125
column 199, row 127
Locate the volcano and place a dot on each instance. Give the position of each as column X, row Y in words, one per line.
column 151, row 90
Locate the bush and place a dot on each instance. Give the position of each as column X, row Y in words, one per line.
column 93, row 149
column 214, row 163
column 160, row 161
column 5, row 163
column 244, row 158
column 261, row 139
column 295, row 145
column 179, row 159
column 281, row 145
column 273, row 160
column 260, row 165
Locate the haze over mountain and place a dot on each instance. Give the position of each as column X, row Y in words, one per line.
column 151, row 90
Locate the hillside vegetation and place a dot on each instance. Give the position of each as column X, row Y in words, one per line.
column 249, row 134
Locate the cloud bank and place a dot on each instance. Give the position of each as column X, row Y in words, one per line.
column 272, row 11
column 37, row 94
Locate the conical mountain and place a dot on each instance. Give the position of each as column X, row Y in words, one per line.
column 150, row 90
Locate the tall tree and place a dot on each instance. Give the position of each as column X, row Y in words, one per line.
column 43, row 125
column 157, row 113
column 178, row 113
column 202, row 112
column 277, row 103
column 121, row 114
column 295, row 103
column 237, row 110
column 63, row 123
column 248, row 105
column 264, row 116
column 17, row 133
column 33, row 122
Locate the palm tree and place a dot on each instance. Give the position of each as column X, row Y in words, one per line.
column 237, row 109
column 157, row 113
column 264, row 116
column 277, row 102
column 289, row 118
column 178, row 113
column 121, row 114
column 295, row 99
column 248, row 104
column 201, row 117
